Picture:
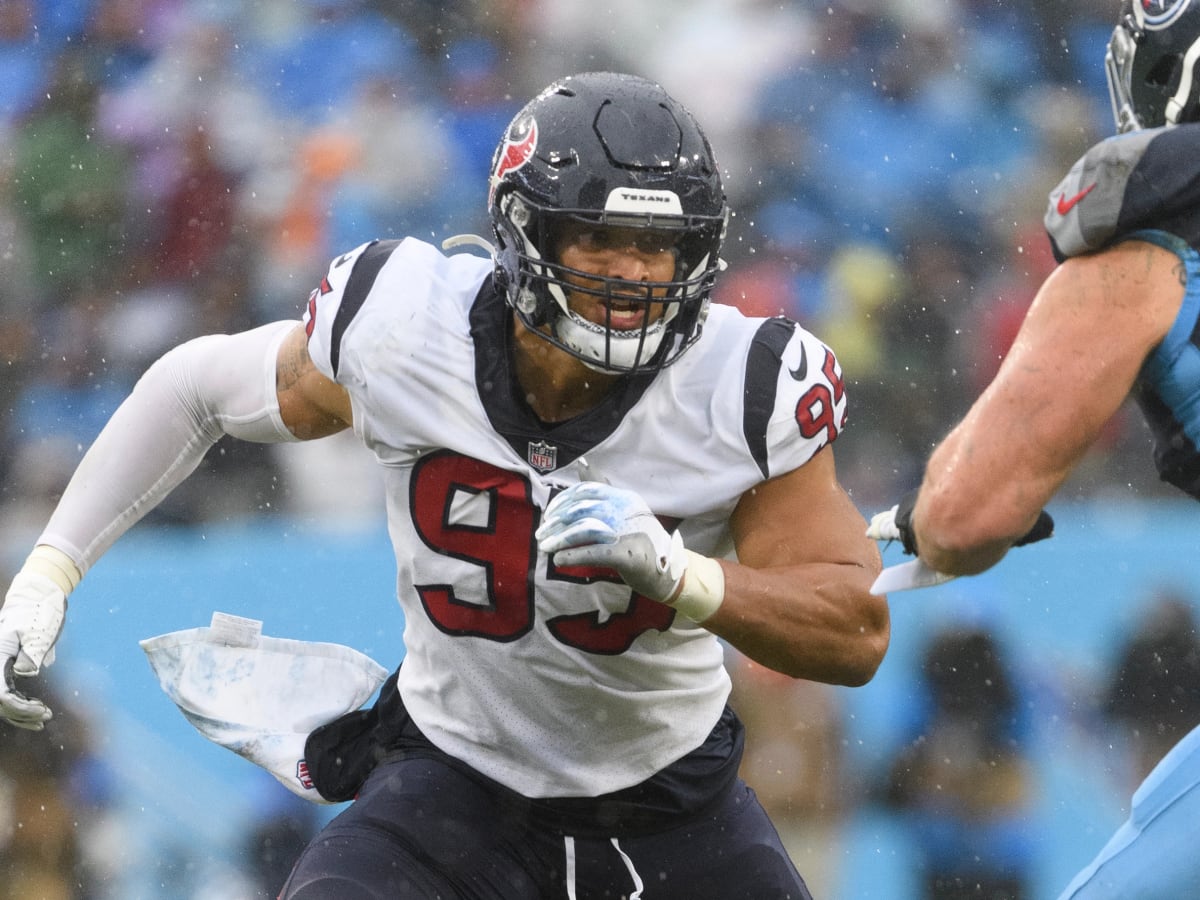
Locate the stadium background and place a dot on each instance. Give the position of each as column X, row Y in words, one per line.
column 175, row 167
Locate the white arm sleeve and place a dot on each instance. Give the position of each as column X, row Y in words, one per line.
column 209, row 387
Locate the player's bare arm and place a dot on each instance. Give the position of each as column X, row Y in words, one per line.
column 310, row 404
column 798, row 600
column 1087, row 335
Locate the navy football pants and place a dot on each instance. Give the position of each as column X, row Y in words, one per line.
column 422, row 829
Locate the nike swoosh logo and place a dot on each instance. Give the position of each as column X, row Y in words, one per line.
column 345, row 256
column 801, row 371
column 1065, row 204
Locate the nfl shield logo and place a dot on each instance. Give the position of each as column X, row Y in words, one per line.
column 543, row 456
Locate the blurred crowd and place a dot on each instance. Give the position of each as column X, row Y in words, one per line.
column 175, row 167
column 170, row 168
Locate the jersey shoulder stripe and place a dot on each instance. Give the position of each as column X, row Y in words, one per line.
column 762, row 379
column 362, row 279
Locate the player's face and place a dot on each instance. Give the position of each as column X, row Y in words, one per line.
column 631, row 254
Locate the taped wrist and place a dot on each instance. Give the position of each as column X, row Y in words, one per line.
column 702, row 590
column 55, row 565
column 185, row 402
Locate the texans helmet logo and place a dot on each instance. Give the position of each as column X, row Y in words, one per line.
column 514, row 153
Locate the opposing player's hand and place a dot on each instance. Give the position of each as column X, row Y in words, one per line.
column 594, row 524
column 895, row 524
column 30, row 622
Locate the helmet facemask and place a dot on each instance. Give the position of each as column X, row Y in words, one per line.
column 1118, row 68
column 545, row 283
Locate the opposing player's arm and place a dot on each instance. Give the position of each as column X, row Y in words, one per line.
column 1086, row 336
column 798, row 600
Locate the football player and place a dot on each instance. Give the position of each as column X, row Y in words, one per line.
column 592, row 474
column 1118, row 317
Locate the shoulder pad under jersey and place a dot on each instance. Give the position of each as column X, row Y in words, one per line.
column 1126, row 183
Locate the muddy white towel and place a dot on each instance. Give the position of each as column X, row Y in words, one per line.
column 261, row 696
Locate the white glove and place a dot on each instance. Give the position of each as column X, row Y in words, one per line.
column 30, row 622
column 594, row 524
column 883, row 526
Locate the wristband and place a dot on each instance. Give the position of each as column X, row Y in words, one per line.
column 703, row 588
column 55, row 565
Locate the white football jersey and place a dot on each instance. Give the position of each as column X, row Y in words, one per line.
column 553, row 681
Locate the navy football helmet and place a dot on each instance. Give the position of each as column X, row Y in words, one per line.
column 1151, row 64
column 607, row 149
